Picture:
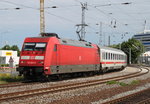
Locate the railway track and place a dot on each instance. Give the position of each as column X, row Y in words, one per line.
column 16, row 84
column 141, row 97
column 54, row 89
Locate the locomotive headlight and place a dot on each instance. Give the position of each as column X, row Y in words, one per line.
column 22, row 62
column 39, row 57
column 25, row 57
column 41, row 62
column 46, row 69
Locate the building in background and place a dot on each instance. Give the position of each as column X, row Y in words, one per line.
column 9, row 56
column 144, row 37
column 145, row 58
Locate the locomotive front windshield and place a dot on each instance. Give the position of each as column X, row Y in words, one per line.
column 34, row 46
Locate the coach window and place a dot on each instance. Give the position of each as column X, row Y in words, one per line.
column 106, row 55
column 113, row 56
column 103, row 55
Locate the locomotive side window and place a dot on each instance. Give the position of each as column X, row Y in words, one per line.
column 55, row 47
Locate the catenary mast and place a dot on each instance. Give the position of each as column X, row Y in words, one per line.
column 42, row 18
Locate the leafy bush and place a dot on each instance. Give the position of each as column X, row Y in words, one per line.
column 10, row 78
column 4, row 65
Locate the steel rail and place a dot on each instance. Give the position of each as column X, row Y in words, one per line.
column 147, row 101
column 121, row 99
column 16, row 84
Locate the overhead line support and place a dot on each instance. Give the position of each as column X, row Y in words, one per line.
column 42, row 18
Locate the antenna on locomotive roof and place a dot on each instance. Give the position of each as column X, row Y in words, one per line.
column 81, row 32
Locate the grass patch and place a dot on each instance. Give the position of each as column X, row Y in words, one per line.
column 10, row 69
column 122, row 83
column 4, row 78
column 112, row 82
column 135, row 82
column 3, row 82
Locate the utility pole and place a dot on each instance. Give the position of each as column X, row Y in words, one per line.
column 144, row 25
column 42, row 18
column 100, row 34
column 82, row 25
column 109, row 40
column 129, row 55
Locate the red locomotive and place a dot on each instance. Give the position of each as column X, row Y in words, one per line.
column 50, row 56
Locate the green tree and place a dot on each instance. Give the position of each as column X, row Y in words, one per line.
column 136, row 48
column 6, row 47
column 15, row 48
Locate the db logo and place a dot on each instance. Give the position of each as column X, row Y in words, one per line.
column 32, row 57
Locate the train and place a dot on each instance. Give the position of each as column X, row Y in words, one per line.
column 52, row 57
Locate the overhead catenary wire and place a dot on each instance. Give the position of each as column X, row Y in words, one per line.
column 10, row 8
column 22, row 6
column 60, row 17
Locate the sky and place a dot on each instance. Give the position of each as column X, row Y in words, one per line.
column 121, row 19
